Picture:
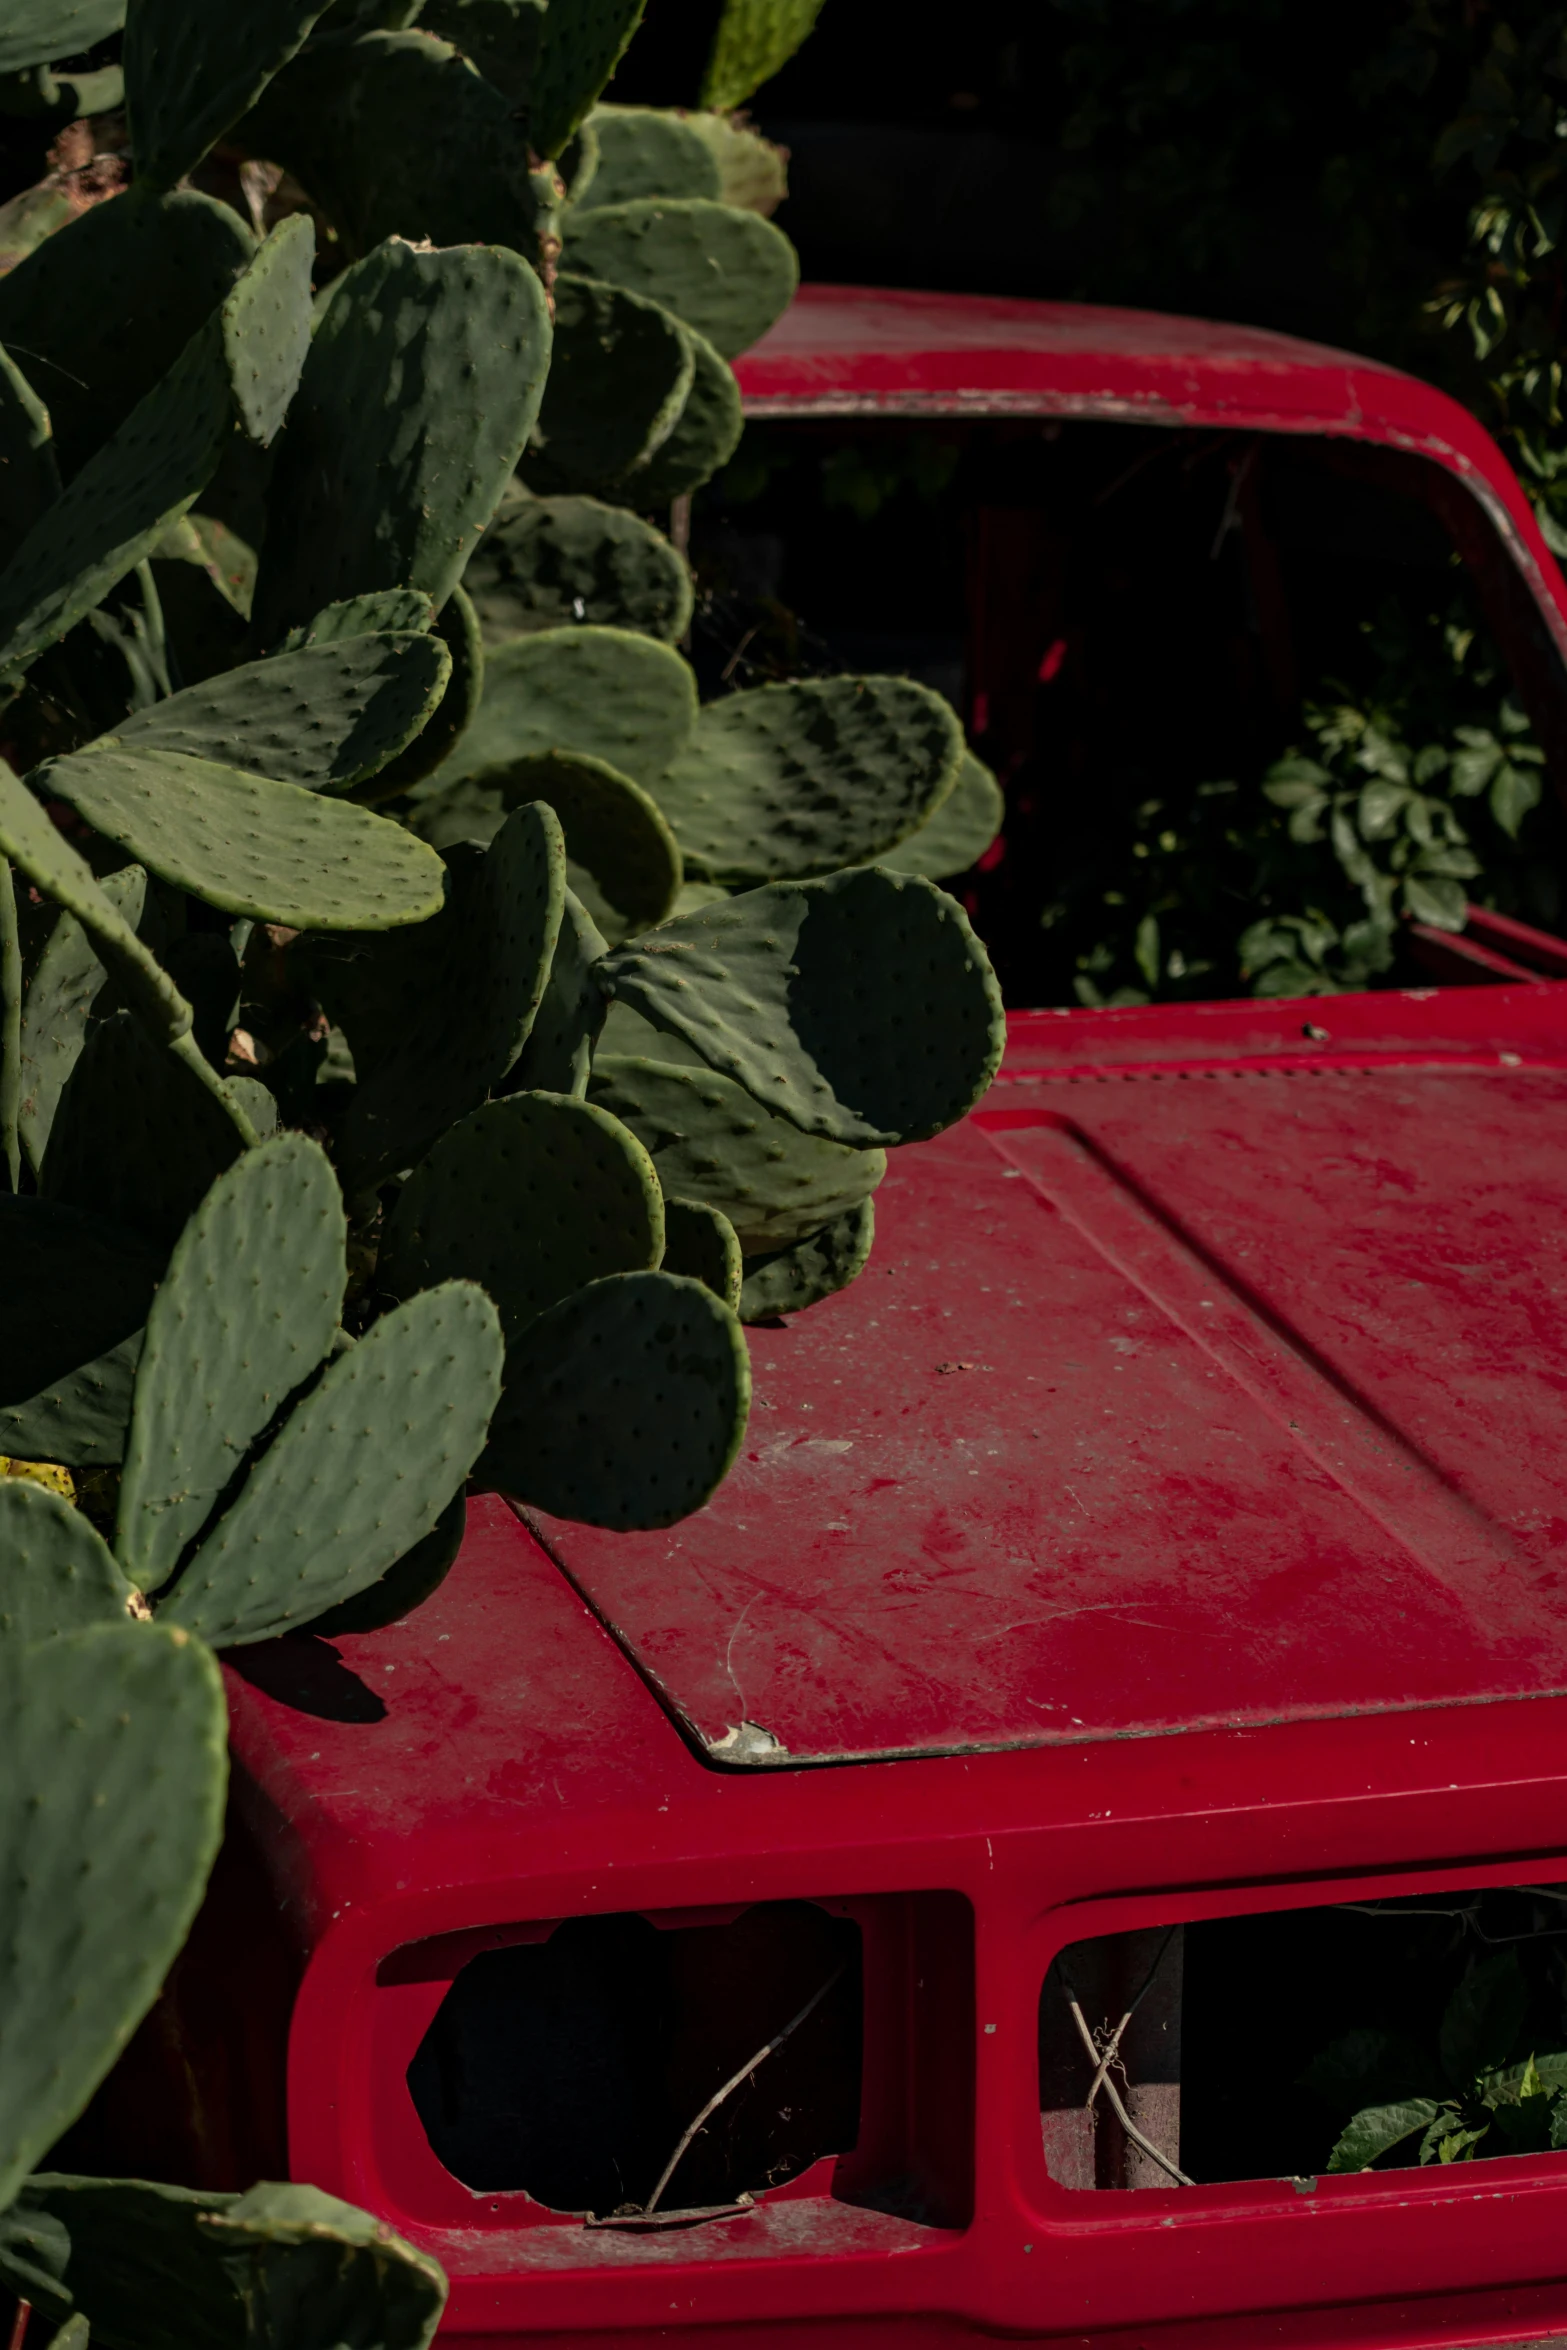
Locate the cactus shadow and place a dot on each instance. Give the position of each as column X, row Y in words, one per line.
column 307, row 1674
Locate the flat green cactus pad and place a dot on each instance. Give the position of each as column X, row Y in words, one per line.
column 792, row 780
column 395, row 135
column 499, row 38
column 369, row 492
column 582, row 44
column 752, row 171
column 624, row 1405
column 266, row 324
column 98, row 313
column 247, row 844
column 532, row 1197
column 754, row 39
column 787, row 1280
column 728, row 273
column 555, row 561
column 388, row 613
column 189, row 73
column 137, row 1138
column 111, row 1807
column 614, row 830
column 701, row 1243
column 359, row 1473
column 247, row 1310
column 30, row 479
column 862, row 1008
column 322, row 717
column 457, row 632
column 65, row 988
column 36, row 32
column 57, row 1574
column 619, row 378
column 959, row 833
column 704, row 436
column 436, row 1021
column 607, row 693
column 645, row 151
column 560, row 1044
column 711, row 1140
column 310, row 2271
column 75, row 1297
column 407, row 1583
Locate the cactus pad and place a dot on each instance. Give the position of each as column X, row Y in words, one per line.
column 65, row 987
column 457, row 632
column 407, row 1583
column 100, row 311
column 605, row 692
column 266, row 324
column 247, row 844
column 624, row 1405
column 532, row 1197
column 190, row 73
column 614, row 831
column 371, row 493
column 360, row 1472
column 560, row 1044
column 644, row 151
column 499, row 38
column 322, row 717
column 57, row 1574
column 960, row 831
column 388, row 613
column 728, row 273
column 313, row 2273
column 75, row 1298
column 554, row 561
column 792, row 780
column 787, row 1280
column 36, row 32
column 862, row 1008
column 583, row 42
column 752, row 172
column 704, row 436
column 711, row 1140
column 620, row 375
column 436, row 1020
column 111, row 1808
column 701, row 1244
column 137, row 1138
column 247, row 1310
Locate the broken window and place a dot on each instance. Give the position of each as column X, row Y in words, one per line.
column 1376, row 2034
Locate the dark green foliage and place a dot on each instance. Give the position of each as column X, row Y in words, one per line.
column 396, row 135
column 266, row 328
column 704, row 436
column 323, row 717
column 360, row 1472
column 458, row 631
column 111, row 1806
column 644, row 151
column 623, row 859
column 619, row 377
column 66, row 985
column 246, row 1312
column 131, row 2256
column 435, row 1020
column 190, row 72
column 407, row 1583
column 29, row 469
column 386, row 612
column 311, row 2272
column 554, row 561
column 624, row 1405
column 727, row 273
column 57, row 1573
column 582, row 45
column 960, row 831
column 499, row 38
column 701, row 1244
column 787, row 1280
column 861, row 1008
column 606, row 693
column 98, row 313
column 36, row 32
column 532, row 1197
column 271, row 850
column 368, row 494
column 792, row 780
column 711, row 1140
column 560, row 1043
column 172, row 1138
column 75, row 1297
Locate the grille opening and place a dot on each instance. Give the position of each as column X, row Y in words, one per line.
column 1379, row 2034
column 570, row 2069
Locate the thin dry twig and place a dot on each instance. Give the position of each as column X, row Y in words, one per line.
column 1146, row 2145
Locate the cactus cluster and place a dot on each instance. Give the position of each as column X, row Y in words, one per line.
column 426, row 1034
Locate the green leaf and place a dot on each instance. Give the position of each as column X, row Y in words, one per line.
column 1514, row 792
column 1379, row 2128
column 1379, row 806
column 1433, row 899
